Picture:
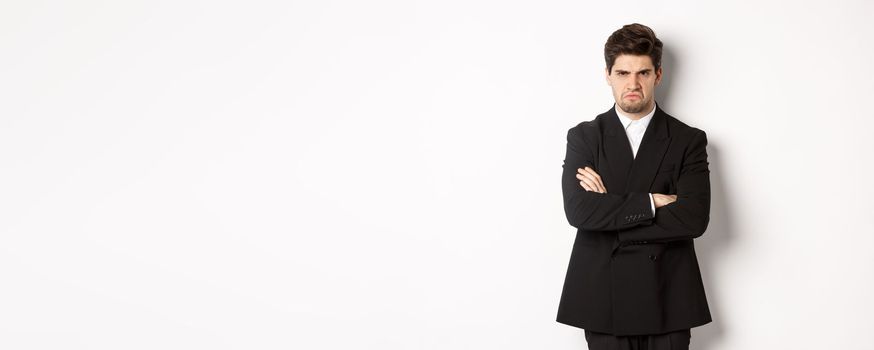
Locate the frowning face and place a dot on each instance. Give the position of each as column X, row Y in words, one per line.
column 633, row 80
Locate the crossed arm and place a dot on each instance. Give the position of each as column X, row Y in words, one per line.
column 682, row 216
column 591, row 181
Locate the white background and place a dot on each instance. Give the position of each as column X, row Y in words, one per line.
column 386, row 175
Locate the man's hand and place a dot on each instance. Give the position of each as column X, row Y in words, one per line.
column 663, row 199
column 590, row 180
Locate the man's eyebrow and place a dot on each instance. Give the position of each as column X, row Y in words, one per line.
column 640, row 71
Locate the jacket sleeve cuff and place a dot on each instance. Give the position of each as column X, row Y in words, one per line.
column 652, row 204
column 640, row 211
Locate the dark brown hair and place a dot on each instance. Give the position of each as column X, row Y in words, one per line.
column 633, row 39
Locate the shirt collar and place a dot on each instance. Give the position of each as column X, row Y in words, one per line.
column 642, row 121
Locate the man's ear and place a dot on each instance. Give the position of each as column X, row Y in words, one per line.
column 658, row 76
column 607, row 76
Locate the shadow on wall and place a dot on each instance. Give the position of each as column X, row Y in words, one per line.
column 715, row 242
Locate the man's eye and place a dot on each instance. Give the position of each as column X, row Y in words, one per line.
column 644, row 73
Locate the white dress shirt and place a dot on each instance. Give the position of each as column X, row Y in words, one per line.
column 635, row 129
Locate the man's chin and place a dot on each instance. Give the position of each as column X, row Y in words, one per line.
column 633, row 107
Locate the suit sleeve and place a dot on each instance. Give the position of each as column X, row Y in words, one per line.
column 593, row 211
column 688, row 216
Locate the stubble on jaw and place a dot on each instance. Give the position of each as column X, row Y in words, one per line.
column 632, row 107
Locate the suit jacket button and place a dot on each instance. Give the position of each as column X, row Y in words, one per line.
column 652, row 257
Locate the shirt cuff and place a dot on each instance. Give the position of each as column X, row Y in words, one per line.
column 652, row 204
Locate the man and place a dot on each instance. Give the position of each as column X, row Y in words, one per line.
column 636, row 185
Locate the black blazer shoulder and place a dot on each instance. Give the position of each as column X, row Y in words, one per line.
column 594, row 129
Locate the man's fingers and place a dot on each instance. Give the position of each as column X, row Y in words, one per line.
column 588, row 183
column 597, row 178
column 592, row 181
column 591, row 174
column 592, row 171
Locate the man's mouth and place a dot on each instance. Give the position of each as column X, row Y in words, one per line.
column 632, row 96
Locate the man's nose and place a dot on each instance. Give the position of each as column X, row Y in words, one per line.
column 635, row 81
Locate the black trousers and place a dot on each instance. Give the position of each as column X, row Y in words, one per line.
column 677, row 340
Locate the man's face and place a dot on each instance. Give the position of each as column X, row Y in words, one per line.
column 633, row 81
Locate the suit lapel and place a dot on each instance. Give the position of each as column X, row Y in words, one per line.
column 635, row 174
column 617, row 150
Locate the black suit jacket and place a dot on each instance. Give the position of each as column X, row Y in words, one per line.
column 632, row 273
